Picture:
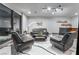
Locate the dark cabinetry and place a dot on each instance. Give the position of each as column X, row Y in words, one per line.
column 62, row 31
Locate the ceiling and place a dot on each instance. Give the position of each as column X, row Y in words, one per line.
column 69, row 9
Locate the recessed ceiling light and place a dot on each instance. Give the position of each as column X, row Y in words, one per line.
column 29, row 12
column 53, row 13
column 76, row 13
column 49, row 8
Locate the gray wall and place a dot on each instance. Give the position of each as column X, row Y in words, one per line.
column 49, row 23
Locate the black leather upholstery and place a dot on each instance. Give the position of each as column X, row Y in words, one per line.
column 39, row 34
column 65, row 43
column 19, row 44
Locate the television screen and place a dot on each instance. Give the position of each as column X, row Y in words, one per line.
column 5, row 17
column 5, row 23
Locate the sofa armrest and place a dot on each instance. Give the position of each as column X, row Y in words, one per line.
column 54, row 40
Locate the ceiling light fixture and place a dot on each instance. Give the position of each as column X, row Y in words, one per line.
column 76, row 13
column 29, row 12
column 58, row 9
column 48, row 8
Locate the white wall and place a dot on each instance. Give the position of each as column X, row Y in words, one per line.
column 49, row 23
column 74, row 21
column 24, row 22
column 32, row 22
column 16, row 23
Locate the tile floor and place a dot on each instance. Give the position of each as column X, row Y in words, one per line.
column 35, row 50
column 46, row 44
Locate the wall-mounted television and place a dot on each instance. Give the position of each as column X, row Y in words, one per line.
column 5, row 17
column 5, row 20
